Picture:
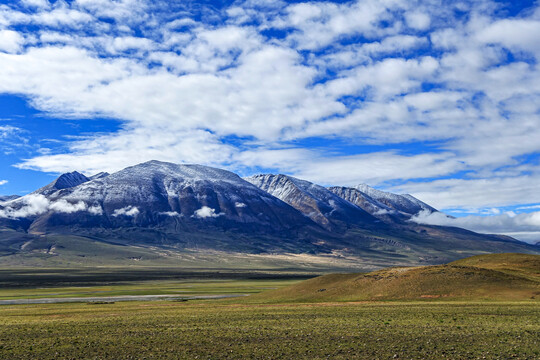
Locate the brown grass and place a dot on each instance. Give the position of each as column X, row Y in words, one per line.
column 497, row 277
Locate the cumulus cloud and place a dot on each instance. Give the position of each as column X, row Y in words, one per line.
column 3, row 182
column 30, row 205
column 440, row 101
column 525, row 226
column 206, row 212
column 64, row 206
column 129, row 211
column 418, row 20
column 240, row 205
column 36, row 3
column 37, row 204
column 10, row 41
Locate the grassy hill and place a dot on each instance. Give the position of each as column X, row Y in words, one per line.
column 523, row 265
column 484, row 277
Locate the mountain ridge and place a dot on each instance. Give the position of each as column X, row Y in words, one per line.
column 314, row 201
column 179, row 209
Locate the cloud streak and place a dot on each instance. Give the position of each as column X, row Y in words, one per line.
column 525, row 227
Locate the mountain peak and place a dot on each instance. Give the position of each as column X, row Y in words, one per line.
column 100, row 175
column 406, row 204
column 314, row 201
column 68, row 180
column 194, row 172
column 64, row 181
column 6, row 198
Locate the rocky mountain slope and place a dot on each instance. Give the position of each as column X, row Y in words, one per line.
column 314, row 201
column 6, row 198
column 169, row 210
column 156, row 194
column 64, row 181
column 404, row 204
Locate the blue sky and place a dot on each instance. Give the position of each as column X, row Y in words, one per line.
column 440, row 100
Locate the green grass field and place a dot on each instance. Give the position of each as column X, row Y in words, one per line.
column 236, row 330
column 163, row 287
column 495, row 314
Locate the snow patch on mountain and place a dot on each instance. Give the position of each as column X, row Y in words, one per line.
column 406, row 204
column 314, row 201
column 170, row 213
column 64, row 181
column 98, row 176
column 7, row 198
column 149, row 192
column 362, row 200
column 95, row 210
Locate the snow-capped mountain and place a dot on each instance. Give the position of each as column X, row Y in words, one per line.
column 314, row 201
column 99, row 175
column 156, row 194
column 366, row 202
column 64, row 181
column 405, row 204
column 160, row 206
column 6, row 198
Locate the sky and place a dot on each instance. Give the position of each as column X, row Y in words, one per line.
column 439, row 99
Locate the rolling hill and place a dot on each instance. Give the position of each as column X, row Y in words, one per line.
column 486, row 277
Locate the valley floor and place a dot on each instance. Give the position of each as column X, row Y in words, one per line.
column 240, row 328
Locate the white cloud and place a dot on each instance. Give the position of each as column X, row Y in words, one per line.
column 6, row 131
column 528, row 207
column 240, row 205
column 352, row 170
column 10, row 41
column 206, row 212
column 418, row 20
column 319, row 24
column 130, row 42
column 510, row 224
column 37, row 204
column 61, row 17
column 64, row 206
column 3, row 182
column 37, row 3
column 120, row 10
column 95, row 210
column 126, row 211
column 171, row 213
column 29, row 205
column 180, row 87
column 515, row 33
column 475, row 193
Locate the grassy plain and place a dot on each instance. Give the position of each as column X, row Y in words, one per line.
column 494, row 314
column 234, row 329
column 163, row 287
